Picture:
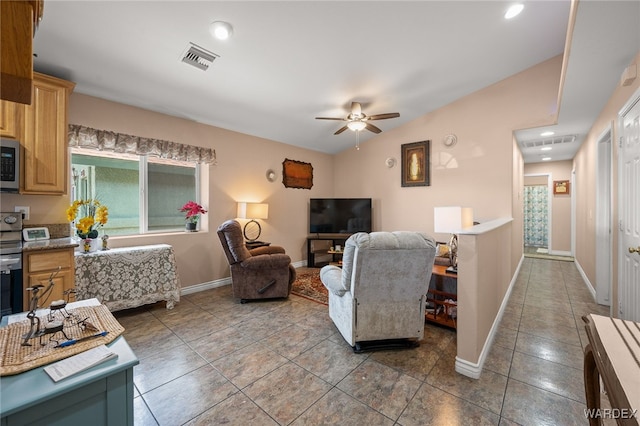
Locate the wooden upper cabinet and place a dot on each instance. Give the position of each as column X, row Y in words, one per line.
column 19, row 21
column 45, row 165
column 10, row 121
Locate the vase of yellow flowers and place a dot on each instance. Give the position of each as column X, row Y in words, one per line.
column 88, row 216
column 192, row 212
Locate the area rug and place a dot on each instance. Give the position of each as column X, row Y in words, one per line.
column 309, row 286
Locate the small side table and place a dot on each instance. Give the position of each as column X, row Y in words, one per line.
column 255, row 244
column 444, row 313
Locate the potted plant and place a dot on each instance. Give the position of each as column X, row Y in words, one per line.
column 192, row 212
column 88, row 215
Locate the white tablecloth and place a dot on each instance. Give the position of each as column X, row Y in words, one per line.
column 128, row 277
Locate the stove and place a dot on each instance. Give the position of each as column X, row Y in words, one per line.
column 10, row 263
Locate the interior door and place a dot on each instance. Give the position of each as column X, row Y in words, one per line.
column 629, row 188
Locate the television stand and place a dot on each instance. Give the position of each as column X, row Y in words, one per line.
column 320, row 244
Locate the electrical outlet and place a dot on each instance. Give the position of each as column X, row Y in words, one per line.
column 25, row 211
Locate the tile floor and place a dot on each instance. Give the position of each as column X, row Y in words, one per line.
column 212, row 360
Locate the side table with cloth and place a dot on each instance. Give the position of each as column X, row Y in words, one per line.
column 128, row 277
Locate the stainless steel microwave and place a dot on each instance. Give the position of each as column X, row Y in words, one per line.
column 10, row 166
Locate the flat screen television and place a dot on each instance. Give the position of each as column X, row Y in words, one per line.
column 339, row 215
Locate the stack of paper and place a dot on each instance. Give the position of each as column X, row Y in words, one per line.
column 80, row 362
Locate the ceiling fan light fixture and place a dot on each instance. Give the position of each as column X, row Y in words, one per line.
column 221, row 30
column 356, row 126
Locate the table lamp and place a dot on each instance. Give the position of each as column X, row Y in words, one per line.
column 451, row 220
column 253, row 211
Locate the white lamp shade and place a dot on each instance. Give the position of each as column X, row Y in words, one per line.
column 450, row 220
column 253, row 211
column 356, row 125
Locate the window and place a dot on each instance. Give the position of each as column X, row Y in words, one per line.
column 143, row 194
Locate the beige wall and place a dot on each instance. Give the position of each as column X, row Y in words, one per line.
column 585, row 163
column 480, row 171
column 239, row 176
column 560, row 204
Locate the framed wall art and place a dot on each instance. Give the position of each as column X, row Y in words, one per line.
column 561, row 187
column 296, row 174
column 416, row 164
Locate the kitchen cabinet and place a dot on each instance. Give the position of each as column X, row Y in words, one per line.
column 44, row 137
column 38, row 265
column 19, row 22
column 10, row 120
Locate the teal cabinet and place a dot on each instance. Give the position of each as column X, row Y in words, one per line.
column 102, row 395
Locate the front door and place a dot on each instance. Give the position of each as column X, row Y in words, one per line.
column 629, row 194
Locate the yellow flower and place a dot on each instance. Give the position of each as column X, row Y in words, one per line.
column 72, row 212
column 102, row 215
column 84, row 225
column 92, row 215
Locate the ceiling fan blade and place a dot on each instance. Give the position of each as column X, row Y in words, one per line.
column 384, row 116
column 330, row 118
column 340, row 130
column 373, row 128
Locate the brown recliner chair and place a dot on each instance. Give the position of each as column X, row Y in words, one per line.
column 261, row 273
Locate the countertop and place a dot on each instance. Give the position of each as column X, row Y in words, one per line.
column 56, row 243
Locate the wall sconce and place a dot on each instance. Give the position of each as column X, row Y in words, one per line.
column 253, row 211
column 452, row 220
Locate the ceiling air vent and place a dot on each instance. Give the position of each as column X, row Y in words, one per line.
column 549, row 141
column 198, row 57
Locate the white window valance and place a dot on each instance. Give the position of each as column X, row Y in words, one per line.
column 105, row 140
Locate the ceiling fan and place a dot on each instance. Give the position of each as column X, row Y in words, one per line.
column 357, row 120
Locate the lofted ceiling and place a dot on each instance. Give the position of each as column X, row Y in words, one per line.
column 291, row 61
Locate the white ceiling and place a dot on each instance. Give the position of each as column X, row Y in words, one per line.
column 291, row 61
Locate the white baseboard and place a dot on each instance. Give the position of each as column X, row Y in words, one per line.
column 590, row 287
column 561, row 253
column 468, row 369
column 222, row 282
column 205, row 286
column 299, row 264
column 474, row 370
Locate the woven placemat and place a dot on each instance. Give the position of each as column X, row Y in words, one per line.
column 16, row 358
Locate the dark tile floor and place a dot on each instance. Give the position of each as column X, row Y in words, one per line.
column 212, row 360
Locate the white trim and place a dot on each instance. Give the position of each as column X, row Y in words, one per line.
column 474, row 370
column 205, row 286
column 561, row 253
column 604, row 227
column 469, row 369
column 196, row 288
column 590, row 287
column 485, row 227
column 299, row 264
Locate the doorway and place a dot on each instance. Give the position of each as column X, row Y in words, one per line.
column 536, row 214
column 604, row 204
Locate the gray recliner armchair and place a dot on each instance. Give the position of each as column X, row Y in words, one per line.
column 261, row 273
column 377, row 299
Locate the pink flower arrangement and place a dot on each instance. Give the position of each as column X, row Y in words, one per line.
column 193, row 211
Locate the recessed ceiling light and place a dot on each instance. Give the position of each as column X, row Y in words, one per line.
column 221, row 30
column 546, row 148
column 546, row 159
column 513, row 11
column 548, row 133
